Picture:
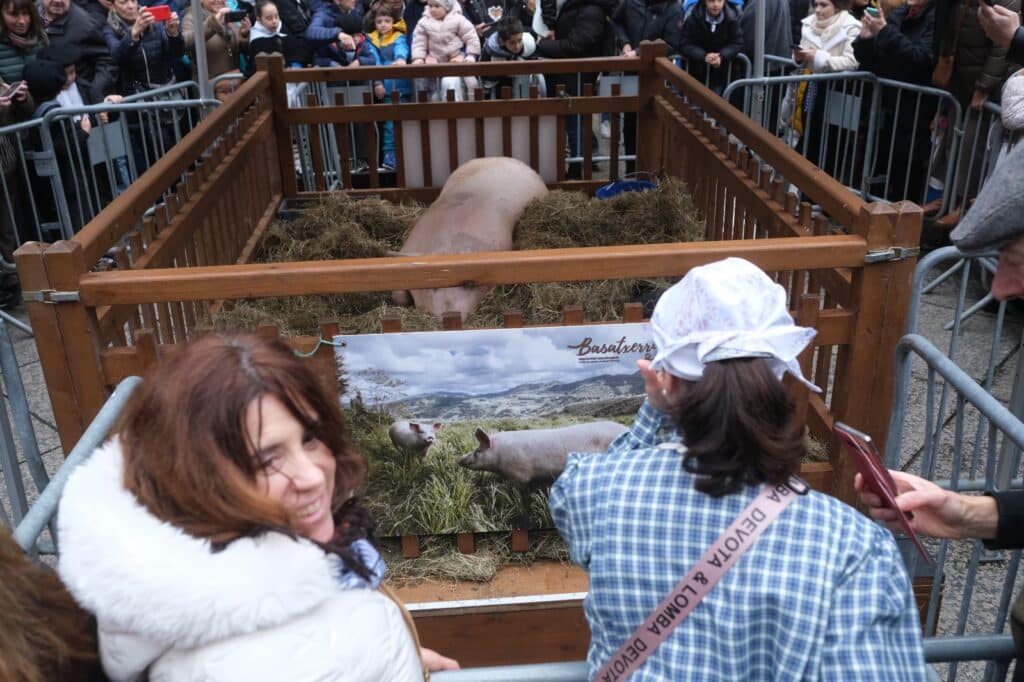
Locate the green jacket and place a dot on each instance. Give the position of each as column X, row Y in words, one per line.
column 12, row 60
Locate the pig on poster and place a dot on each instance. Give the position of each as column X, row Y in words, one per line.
column 457, row 414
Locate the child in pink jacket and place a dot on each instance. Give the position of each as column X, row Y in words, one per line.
column 440, row 37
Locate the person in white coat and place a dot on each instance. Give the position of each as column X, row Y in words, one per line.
column 826, row 46
column 216, row 537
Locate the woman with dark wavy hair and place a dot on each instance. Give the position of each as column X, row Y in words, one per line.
column 217, row 535
column 821, row 595
column 21, row 36
column 44, row 634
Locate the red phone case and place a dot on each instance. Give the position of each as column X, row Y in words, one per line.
column 160, row 12
column 876, row 477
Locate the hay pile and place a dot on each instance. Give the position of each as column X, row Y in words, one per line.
column 340, row 227
column 439, row 560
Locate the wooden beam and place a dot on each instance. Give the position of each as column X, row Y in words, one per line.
column 491, row 268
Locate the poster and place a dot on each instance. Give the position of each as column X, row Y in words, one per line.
column 417, row 403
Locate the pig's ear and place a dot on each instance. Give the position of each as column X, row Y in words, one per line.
column 415, row 427
column 438, row 426
column 483, row 438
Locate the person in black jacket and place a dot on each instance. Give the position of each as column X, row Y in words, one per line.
column 798, row 9
column 145, row 51
column 901, row 47
column 711, row 38
column 66, row 23
column 582, row 29
column 638, row 20
column 485, row 14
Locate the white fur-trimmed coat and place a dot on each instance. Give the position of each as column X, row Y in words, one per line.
column 266, row 608
column 834, row 45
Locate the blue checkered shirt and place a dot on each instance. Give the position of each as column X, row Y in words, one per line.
column 822, row 595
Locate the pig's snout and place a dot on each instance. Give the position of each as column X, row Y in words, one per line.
column 467, row 460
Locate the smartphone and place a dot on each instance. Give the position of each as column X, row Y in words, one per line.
column 873, row 11
column 876, row 477
column 237, row 15
column 9, row 91
column 160, row 12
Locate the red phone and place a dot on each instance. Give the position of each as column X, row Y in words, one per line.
column 876, row 477
column 160, row 12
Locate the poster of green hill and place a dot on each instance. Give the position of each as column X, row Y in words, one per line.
column 464, row 431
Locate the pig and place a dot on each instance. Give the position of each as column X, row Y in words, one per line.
column 530, row 456
column 477, row 210
column 414, row 436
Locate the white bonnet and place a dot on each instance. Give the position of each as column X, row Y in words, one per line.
column 725, row 310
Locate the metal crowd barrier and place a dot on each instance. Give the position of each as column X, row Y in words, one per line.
column 43, row 511
column 947, row 426
column 14, row 408
column 879, row 137
column 66, row 181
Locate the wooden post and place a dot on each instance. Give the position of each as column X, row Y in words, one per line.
column 78, row 333
column 649, row 129
column 49, row 344
column 392, row 324
column 880, row 291
column 274, row 66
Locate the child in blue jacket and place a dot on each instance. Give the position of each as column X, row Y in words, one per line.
column 385, row 46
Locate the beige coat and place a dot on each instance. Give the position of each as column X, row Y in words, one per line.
column 222, row 48
column 443, row 39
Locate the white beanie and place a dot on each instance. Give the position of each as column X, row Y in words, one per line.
column 722, row 311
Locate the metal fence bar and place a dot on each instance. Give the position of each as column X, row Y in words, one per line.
column 573, row 671
column 45, row 507
column 76, row 192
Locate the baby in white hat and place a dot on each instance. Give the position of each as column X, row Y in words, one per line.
column 444, row 35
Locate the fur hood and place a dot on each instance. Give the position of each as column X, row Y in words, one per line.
column 156, row 590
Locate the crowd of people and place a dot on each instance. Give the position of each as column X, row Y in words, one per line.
column 109, row 49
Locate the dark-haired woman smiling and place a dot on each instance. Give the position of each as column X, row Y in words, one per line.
column 821, row 595
column 21, row 36
column 216, row 536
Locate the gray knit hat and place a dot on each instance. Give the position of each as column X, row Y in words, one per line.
column 997, row 216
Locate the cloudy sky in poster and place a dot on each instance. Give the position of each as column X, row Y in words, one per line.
column 478, row 362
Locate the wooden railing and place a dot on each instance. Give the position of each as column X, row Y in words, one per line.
column 848, row 278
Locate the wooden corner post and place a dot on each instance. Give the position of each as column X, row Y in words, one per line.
column 66, row 333
column 274, row 66
column 650, row 133
column 880, row 295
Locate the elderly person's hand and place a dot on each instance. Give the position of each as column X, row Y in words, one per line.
column 143, row 21
column 346, row 41
column 978, row 99
column 221, row 15
column 871, row 25
column 999, row 23
column 172, row 25
column 938, row 513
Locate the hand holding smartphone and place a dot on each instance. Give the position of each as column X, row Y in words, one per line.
column 11, row 90
column 876, row 477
